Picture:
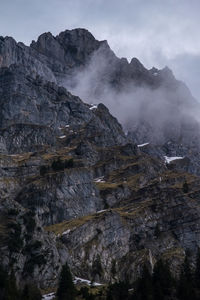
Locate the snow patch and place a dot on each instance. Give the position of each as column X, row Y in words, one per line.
column 169, row 159
column 48, row 296
column 85, row 281
column 67, row 126
column 93, row 107
column 66, row 232
column 142, row 145
column 155, row 74
column 100, row 179
column 100, row 211
column 62, row 136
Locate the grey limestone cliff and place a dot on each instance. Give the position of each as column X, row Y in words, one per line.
column 73, row 186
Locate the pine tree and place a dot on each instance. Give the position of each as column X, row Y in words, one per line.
column 163, row 282
column 186, row 289
column 66, row 289
column 144, row 289
column 3, row 282
column 197, row 276
column 31, row 292
column 197, row 269
column 12, row 292
column 185, row 187
column 118, row 291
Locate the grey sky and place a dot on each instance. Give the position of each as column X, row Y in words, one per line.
column 158, row 32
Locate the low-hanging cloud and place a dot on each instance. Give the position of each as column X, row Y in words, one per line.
column 163, row 110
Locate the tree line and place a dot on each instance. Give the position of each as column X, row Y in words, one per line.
column 157, row 285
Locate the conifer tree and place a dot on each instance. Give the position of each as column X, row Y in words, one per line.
column 144, row 289
column 12, row 292
column 163, row 282
column 186, row 283
column 185, row 187
column 118, row 291
column 197, row 270
column 3, row 282
column 66, row 289
column 31, row 292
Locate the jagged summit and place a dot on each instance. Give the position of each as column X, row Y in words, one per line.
column 72, row 49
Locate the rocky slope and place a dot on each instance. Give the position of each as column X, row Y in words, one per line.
column 73, row 185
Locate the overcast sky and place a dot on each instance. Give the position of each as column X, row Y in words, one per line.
column 158, row 32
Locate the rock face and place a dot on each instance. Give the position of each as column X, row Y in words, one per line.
column 73, row 185
column 147, row 219
column 33, row 113
column 27, row 248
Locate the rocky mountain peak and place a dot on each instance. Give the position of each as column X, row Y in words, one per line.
column 137, row 65
column 76, row 188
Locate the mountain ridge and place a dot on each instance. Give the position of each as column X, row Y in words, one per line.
column 74, row 186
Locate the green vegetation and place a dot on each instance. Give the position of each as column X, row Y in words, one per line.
column 185, row 187
column 66, row 289
column 36, row 259
column 160, row 285
column 96, row 267
column 10, row 291
column 118, row 291
column 44, row 170
column 57, row 165
column 15, row 242
column 31, row 292
column 29, row 221
column 72, row 224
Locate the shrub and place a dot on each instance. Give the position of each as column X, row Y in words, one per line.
column 185, row 187
column 43, row 170
column 12, row 212
column 15, row 243
column 34, row 260
column 57, row 165
column 97, row 267
column 69, row 163
column 31, row 292
column 29, row 221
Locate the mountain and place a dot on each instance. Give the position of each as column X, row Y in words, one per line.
column 153, row 106
column 76, row 185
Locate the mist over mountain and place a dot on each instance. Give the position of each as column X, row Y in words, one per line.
column 143, row 100
column 152, row 105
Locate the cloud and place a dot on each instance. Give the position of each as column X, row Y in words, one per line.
column 157, row 32
column 159, row 112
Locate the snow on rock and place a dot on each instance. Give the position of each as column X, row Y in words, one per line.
column 93, row 107
column 169, row 159
column 99, row 179
column 100, row 211
column 142, row 145
column 66, row 232
column 62, row 136
column 48, row 296
column 85, row 281
column 67, row 126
